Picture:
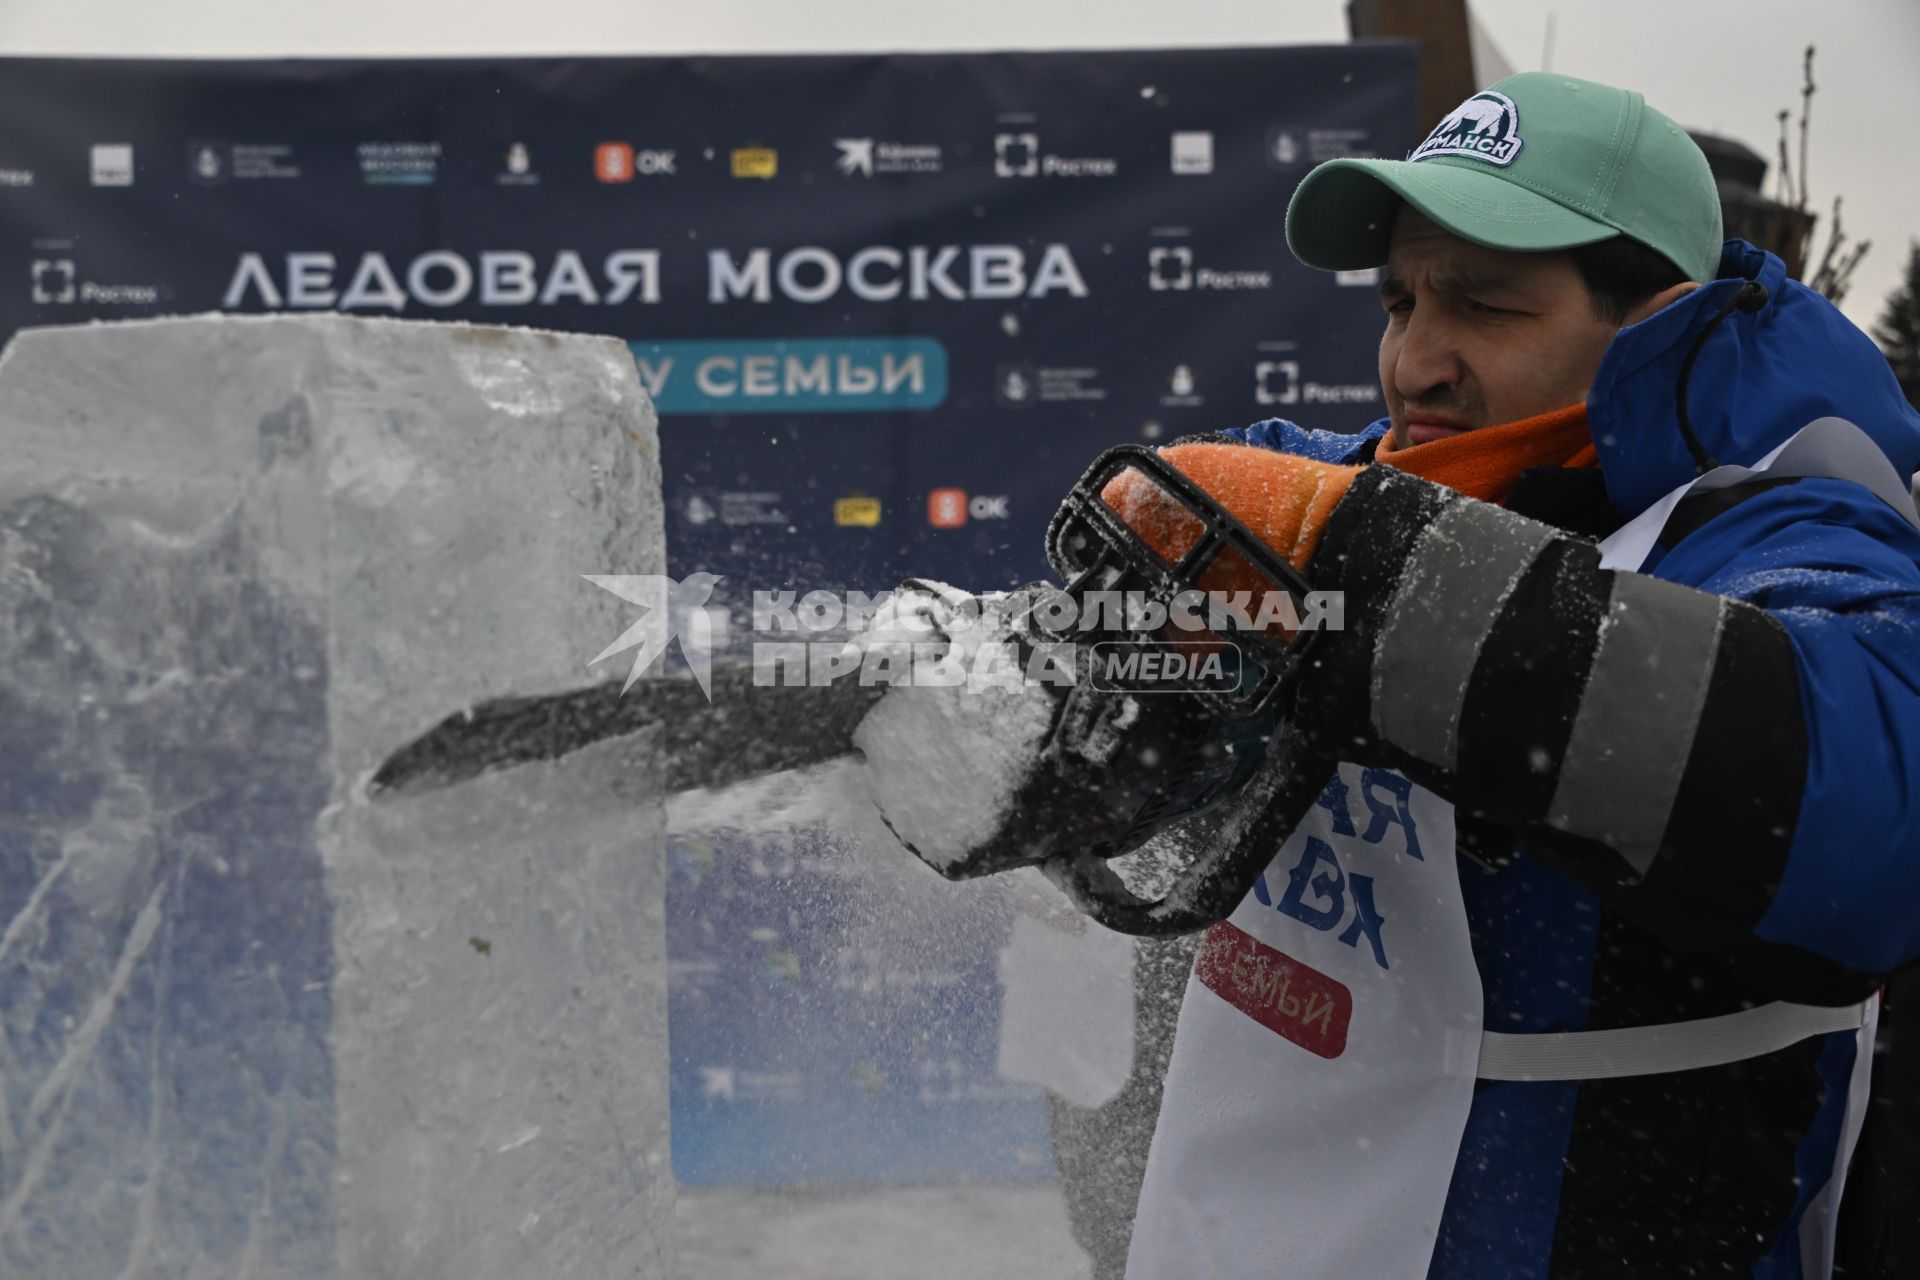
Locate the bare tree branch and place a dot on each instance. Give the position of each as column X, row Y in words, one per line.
column 1832, row 270
column 1843, row 279
column 1806, row 111
column 1786, row 168
column 1822, row 276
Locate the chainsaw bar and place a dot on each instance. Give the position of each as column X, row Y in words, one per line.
column 744, row 731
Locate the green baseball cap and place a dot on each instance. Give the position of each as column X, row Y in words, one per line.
column 1537, row 162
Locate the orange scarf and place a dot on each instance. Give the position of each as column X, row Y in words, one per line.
column 1485, row 464
column 1286, row 499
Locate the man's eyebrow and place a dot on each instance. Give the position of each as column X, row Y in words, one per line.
column 1474, row 282
column 1454, row 284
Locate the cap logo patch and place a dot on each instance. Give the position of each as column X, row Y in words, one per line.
column 1485, row 127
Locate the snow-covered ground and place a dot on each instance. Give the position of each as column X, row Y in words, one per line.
column 1016, row 1232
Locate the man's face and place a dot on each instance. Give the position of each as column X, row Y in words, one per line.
column 1477, row 337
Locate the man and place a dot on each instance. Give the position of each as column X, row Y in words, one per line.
column 1681, row 766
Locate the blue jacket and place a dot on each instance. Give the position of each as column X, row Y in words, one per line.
column 1840, row 571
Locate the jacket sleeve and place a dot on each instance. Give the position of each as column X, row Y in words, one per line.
column 1839, row 573
column 1321, row 446
column 1736, row 765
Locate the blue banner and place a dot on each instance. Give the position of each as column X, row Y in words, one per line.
column 845, row 375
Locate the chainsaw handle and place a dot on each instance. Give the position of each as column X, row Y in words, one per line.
column 1207, row 889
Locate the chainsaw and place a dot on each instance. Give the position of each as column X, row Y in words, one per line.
column 1072, row 724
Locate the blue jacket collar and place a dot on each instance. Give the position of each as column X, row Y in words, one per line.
column 1760, row 376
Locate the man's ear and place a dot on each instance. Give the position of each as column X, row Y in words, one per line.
column 1660, row 301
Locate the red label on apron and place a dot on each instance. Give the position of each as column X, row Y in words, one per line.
column 1291, row 999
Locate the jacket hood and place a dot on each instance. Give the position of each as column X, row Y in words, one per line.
column 1760, row 376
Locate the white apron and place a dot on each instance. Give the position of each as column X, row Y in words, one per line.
column 1331, row 1032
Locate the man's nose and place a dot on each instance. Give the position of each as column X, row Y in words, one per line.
column 1428, row 359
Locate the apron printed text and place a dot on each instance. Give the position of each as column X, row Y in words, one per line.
column 1280, row 993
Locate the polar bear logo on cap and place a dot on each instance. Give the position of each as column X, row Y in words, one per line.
column 1484, row 127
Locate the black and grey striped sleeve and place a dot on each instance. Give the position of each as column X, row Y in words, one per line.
column 1507, row 670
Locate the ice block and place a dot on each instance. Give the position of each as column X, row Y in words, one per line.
column 250, row 1024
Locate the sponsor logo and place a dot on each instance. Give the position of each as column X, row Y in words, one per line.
column 16, row 177
column 1192, row 153
column 213, row 163
column 951, row 1080
column 516, row 168
column 1286, row 996
column 866, row 157
column 779, row 969
column 1291, row 146
column 613, row 162
column 755, row 162
column 1484, row 127
column 111, row 164
column 883, row 273
column 772, row 375
column 57, row 282
column 856, row 156
column 398, row 164
column 1172, row 268
column 1016, row 385
column 947, row 508
column 717, row 1083
column 729, row 1084
column 1182, row 390
column 1361, row 278
column 53, row 281
column 856, row 512
column 988, row 506
column 1169, row 267
column 119, row 295
column 1019, row 386
column 311, row 280
column 620, row 162
column 1018, row 155
column 256, row 160
column 952, row 508
column 781, row 857
column 871, row 970
column 749, row 507
column 206, row 163
column 693, row 860
column 1278, row 382
column 737, row 507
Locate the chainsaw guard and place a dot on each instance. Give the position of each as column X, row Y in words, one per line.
column 1126, row 761
column 1211, row 859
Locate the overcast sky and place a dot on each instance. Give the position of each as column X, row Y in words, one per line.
column 1724, row 65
